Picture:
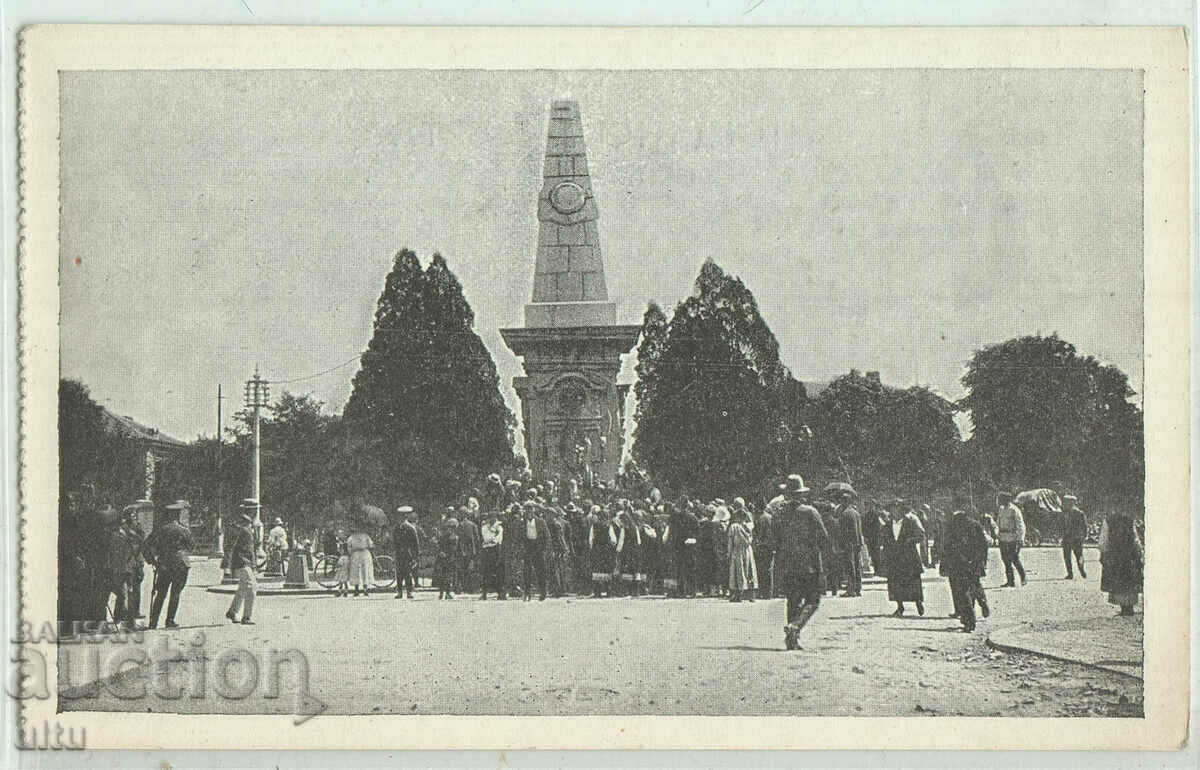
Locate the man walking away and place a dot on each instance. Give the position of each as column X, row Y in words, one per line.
column 168, row 547
column 799, row 573
column 964, row 561
column 407, row 542
column 1075, row 529
column 241, row 561
column 1010, row 525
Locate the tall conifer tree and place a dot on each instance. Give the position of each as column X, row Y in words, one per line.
column 712, row 420
column 426, row 407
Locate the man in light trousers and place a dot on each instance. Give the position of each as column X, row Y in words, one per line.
column 241, row 561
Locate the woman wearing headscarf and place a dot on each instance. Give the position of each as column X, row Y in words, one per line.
column 1122, row 558
column 743, row 575
column 360, row 570
column 902, row 558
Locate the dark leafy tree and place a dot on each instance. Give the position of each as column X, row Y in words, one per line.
column 425, row 419
column 885, row 440
column 97, row 465
column 1044, row 414
column 712, row 422
column 920, row 447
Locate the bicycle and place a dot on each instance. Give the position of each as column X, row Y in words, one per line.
column 325, row 571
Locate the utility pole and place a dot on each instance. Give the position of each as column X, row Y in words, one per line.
column 258, row 393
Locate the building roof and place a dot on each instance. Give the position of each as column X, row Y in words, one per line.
column 131, row 428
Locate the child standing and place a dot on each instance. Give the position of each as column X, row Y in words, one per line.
column 343, row 573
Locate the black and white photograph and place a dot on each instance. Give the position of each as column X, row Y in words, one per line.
column 650, row 391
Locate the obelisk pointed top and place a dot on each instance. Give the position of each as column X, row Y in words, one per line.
column 569, row 265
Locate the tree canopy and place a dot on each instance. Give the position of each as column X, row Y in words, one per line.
column 884, row 439
column 97, row 465
column 1042, row 413
column 425, row 417
column 709, row 415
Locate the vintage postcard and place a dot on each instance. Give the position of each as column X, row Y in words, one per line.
column 623, row 388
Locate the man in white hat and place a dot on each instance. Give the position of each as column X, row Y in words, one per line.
column 277, row 547
column 1075, row 529
column 242, row 562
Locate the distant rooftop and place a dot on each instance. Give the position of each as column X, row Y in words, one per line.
column 131, row 428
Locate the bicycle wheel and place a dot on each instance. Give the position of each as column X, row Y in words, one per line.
column 385, row 572
column 325, row 572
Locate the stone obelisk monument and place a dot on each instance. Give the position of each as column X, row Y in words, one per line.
column 571, row 406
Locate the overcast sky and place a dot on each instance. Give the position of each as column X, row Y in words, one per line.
column 893, row 220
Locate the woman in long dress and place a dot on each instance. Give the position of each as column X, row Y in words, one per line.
column 743, row 575
column 1122, row 557
column 361, row 570
column 902, row 559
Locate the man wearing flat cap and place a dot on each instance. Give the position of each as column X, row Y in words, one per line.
column 1075, row 528
column 242, row 562
column 407, row 542
column 167, row 549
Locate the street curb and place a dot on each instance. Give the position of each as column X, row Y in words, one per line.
column 1012, row 648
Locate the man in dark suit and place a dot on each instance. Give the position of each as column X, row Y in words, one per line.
column 137, row 540
column 964, row 561
column 764, row 552
column 833, row 561
column 116, row 565
column 685, row 530
column 167, row 549
column 873, row 526
column 407, row 544
column 850, row 540
column 1075, row 528
column 468, row 544
column 535, row 537
column 799, row 569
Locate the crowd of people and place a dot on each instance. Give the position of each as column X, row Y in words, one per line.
column 521, row 539
column 526, row 540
